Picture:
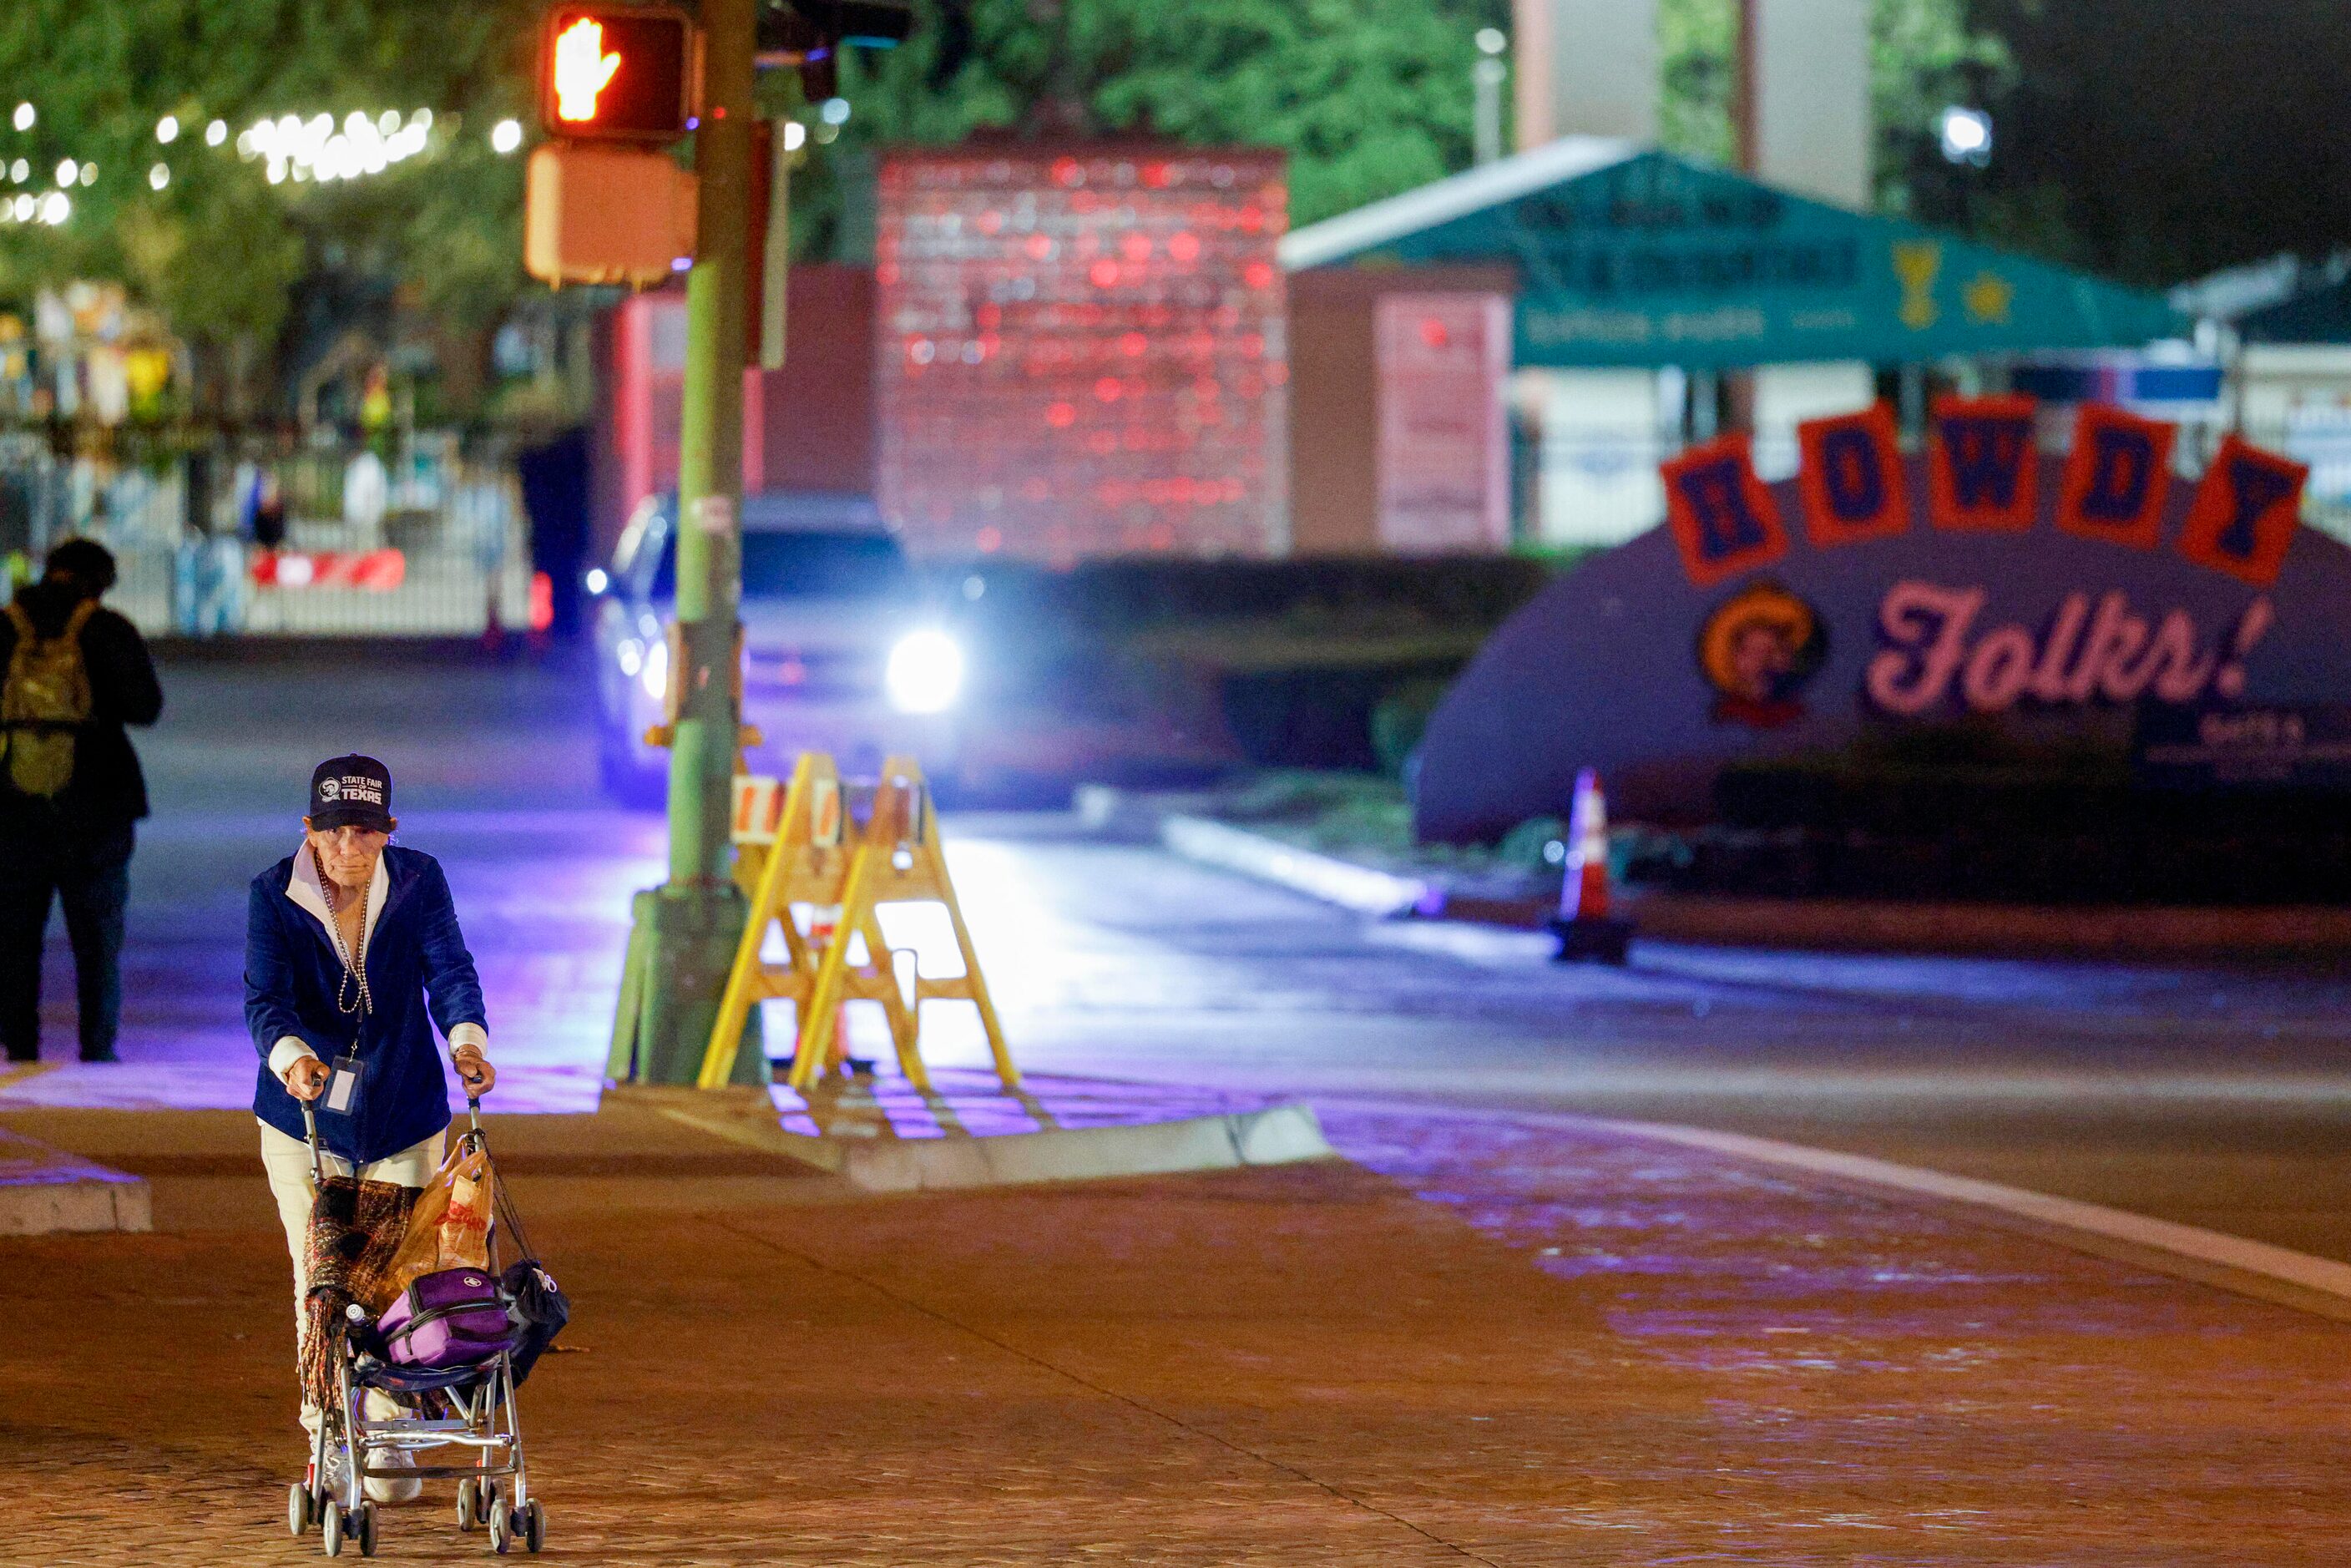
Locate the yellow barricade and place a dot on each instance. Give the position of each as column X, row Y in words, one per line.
column 791, row 848
column 813, row 859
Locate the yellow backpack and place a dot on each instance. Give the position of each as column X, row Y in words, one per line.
column 44, row 702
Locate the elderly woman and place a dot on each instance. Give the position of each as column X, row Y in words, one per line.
column 352, row 956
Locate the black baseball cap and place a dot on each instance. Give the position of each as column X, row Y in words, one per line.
column 352, row 791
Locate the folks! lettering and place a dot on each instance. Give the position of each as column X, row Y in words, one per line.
column 1936, row 654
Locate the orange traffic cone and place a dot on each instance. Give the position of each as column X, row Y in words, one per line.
column 1584, row 925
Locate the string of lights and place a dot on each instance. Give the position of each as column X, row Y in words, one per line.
column 317, row 149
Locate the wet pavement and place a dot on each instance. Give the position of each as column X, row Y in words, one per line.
column 2220, row 1097
column 1477, row 1339
column 1477, row 1342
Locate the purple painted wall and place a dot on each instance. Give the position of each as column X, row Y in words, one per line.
column 1608, row 666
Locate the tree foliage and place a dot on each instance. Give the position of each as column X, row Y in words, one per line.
column 1924, row 56
column 218, row 249
column 1368, row 97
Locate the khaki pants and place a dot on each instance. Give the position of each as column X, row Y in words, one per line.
column 287, row 1161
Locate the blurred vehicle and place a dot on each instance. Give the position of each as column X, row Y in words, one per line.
column 843, row 652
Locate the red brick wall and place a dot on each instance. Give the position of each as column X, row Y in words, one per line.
column 1081, row 349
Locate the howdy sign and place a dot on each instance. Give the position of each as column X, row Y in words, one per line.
column 1977, row 579
column 1983, row 474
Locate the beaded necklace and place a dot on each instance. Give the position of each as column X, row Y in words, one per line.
column 351, row 998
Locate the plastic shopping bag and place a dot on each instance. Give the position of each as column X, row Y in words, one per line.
column 450, row 1225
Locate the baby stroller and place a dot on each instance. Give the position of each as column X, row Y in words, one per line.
column 469, row 1405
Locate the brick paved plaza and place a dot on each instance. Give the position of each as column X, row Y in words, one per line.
column 1475, row 1342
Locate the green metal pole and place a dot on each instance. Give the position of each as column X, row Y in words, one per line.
column 710, row 453
column 686, row 930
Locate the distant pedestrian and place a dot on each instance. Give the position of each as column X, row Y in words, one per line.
column 71, row 789
column 352, row 957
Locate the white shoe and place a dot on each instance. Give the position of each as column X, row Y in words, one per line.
column 382, row 1407
column 333, row 1487
column 401, row 1488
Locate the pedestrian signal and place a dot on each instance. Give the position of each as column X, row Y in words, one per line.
column 616, row 72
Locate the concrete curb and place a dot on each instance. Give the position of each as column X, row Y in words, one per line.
column 44, row 1191
column 2155, row 933
column 1278, row 1134
column 1361, row 888
column 2158, row 932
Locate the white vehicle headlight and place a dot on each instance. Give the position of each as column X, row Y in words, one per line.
column 655, row 678
column 925, row 673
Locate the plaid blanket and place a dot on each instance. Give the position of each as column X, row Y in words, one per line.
column 355, row 1229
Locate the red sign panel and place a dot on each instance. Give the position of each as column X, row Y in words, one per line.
column 1723, row 518
column 1850, row 480
column 2116, row 477
column 2244, row 514
column 1081, row 352
column 1982, row 470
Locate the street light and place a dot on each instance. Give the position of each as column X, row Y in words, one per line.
column 24, row 116
column 1965, row 136
column 1486, row 77
column 167, row 130
column 506, row 136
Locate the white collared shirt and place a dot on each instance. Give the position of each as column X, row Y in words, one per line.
column 306, row 891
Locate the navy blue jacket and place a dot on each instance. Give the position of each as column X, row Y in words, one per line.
column 420, row 974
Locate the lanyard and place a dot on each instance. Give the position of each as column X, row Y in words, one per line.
column 351, row 998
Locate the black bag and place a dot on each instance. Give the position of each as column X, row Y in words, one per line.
column 539, row 1310
column 534, row 1301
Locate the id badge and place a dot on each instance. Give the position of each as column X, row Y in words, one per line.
column 343, row 1084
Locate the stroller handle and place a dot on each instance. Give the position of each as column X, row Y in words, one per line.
column 311, row 1133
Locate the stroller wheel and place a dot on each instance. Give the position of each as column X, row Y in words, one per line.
column 298, row 1510
column 465, row 1520
column 331, row 1529
column 534, row 1525
column 366, row 1531
column 501, row 1528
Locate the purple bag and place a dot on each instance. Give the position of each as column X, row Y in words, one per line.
column 449, row 1319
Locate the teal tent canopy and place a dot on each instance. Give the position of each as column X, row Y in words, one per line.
column 1632, row 257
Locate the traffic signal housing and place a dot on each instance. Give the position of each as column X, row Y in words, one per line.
column 599, row 213
column 616, row 73
column 810, row 34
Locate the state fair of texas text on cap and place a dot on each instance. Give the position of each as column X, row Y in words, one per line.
column 351, row 792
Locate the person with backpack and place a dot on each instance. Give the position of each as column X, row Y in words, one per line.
column 71, row 789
